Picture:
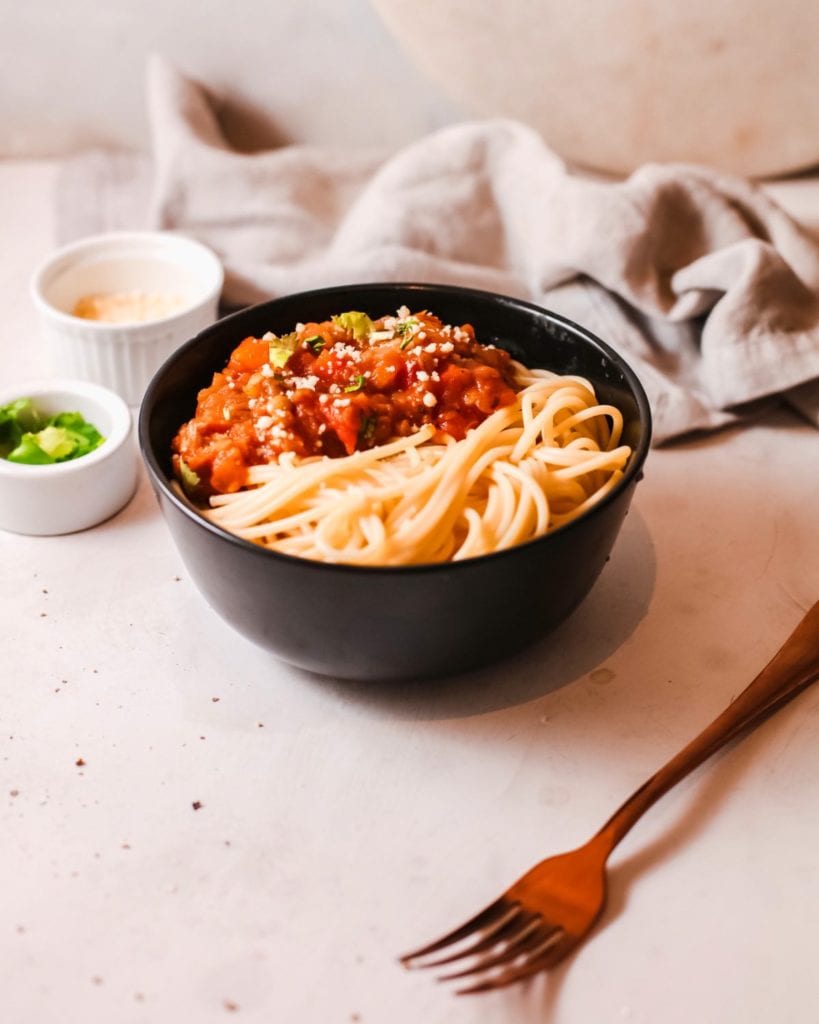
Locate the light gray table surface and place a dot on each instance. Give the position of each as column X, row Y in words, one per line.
column 342, row 823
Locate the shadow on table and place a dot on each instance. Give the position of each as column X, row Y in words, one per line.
column 611, row 612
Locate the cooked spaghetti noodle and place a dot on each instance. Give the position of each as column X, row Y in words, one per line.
column 528, row 467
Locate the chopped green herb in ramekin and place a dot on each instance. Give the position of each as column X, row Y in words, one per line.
column 30, row 438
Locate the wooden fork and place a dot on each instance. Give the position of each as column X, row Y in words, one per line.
column 542, row 917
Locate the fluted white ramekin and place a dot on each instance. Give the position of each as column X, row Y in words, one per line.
column 69, row 496
column 124, row 356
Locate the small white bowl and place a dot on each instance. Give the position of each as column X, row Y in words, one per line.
column 124, row 356
column 70, row 496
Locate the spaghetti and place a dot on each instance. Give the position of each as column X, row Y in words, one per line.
column 544, row 451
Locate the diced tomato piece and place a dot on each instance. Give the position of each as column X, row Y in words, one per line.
column 345, row 422
column 251, row 354
column 453, row 423
column 387, row 370
column 229, row 471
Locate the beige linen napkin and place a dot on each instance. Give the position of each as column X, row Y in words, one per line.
column 705, row 285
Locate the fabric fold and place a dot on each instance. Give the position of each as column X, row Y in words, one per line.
column 703, row 283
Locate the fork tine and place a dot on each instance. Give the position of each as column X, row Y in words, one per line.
column 495, row 916
column 536, row 938
column 553, row 953
column 515, row 929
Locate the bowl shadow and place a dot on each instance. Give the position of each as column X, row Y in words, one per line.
column 606, row 618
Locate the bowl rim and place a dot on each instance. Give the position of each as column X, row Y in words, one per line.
column 169, row 240
column 114, row 439
column 631, row 476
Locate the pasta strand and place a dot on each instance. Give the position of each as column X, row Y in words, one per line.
column 528, row 468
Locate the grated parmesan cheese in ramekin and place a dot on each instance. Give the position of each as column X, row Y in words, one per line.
column 127, row 307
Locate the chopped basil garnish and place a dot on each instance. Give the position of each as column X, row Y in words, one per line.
column 406, row 329
column 316, row 343
column 282, row 348
column 357, row 384
column 358, row 324
column 190, row 480
column 30, row 438
column 367, row 430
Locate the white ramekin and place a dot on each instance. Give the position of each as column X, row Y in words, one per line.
column 70, row 496
column 124, row 356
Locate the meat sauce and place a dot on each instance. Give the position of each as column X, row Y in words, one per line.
column 335, row 387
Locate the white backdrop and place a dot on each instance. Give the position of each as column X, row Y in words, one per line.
column 72, row 72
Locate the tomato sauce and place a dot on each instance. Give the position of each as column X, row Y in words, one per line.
column 335, row 387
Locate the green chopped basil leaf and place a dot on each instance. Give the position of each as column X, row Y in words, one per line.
column 17, row 418
column 29, row 438
column 190, row 480
column 406, row 331
column 316, row 343
column 358, row 324
column 367, row 429
column 72, row 420
column 282, row 348
column 404, row 327
column 10, row 435
column 29, row 453
column 24, row 413
column 357, row 383
column 84, row 435
column 56, row 442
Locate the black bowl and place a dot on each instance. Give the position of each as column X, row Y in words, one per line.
column 410, row 621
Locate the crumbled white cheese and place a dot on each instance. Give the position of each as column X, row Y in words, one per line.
column 263, row 422
column 429, row 399
column 341, row 348
column 266, row 370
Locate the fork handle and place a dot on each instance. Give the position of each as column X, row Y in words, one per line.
column 792, row 668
